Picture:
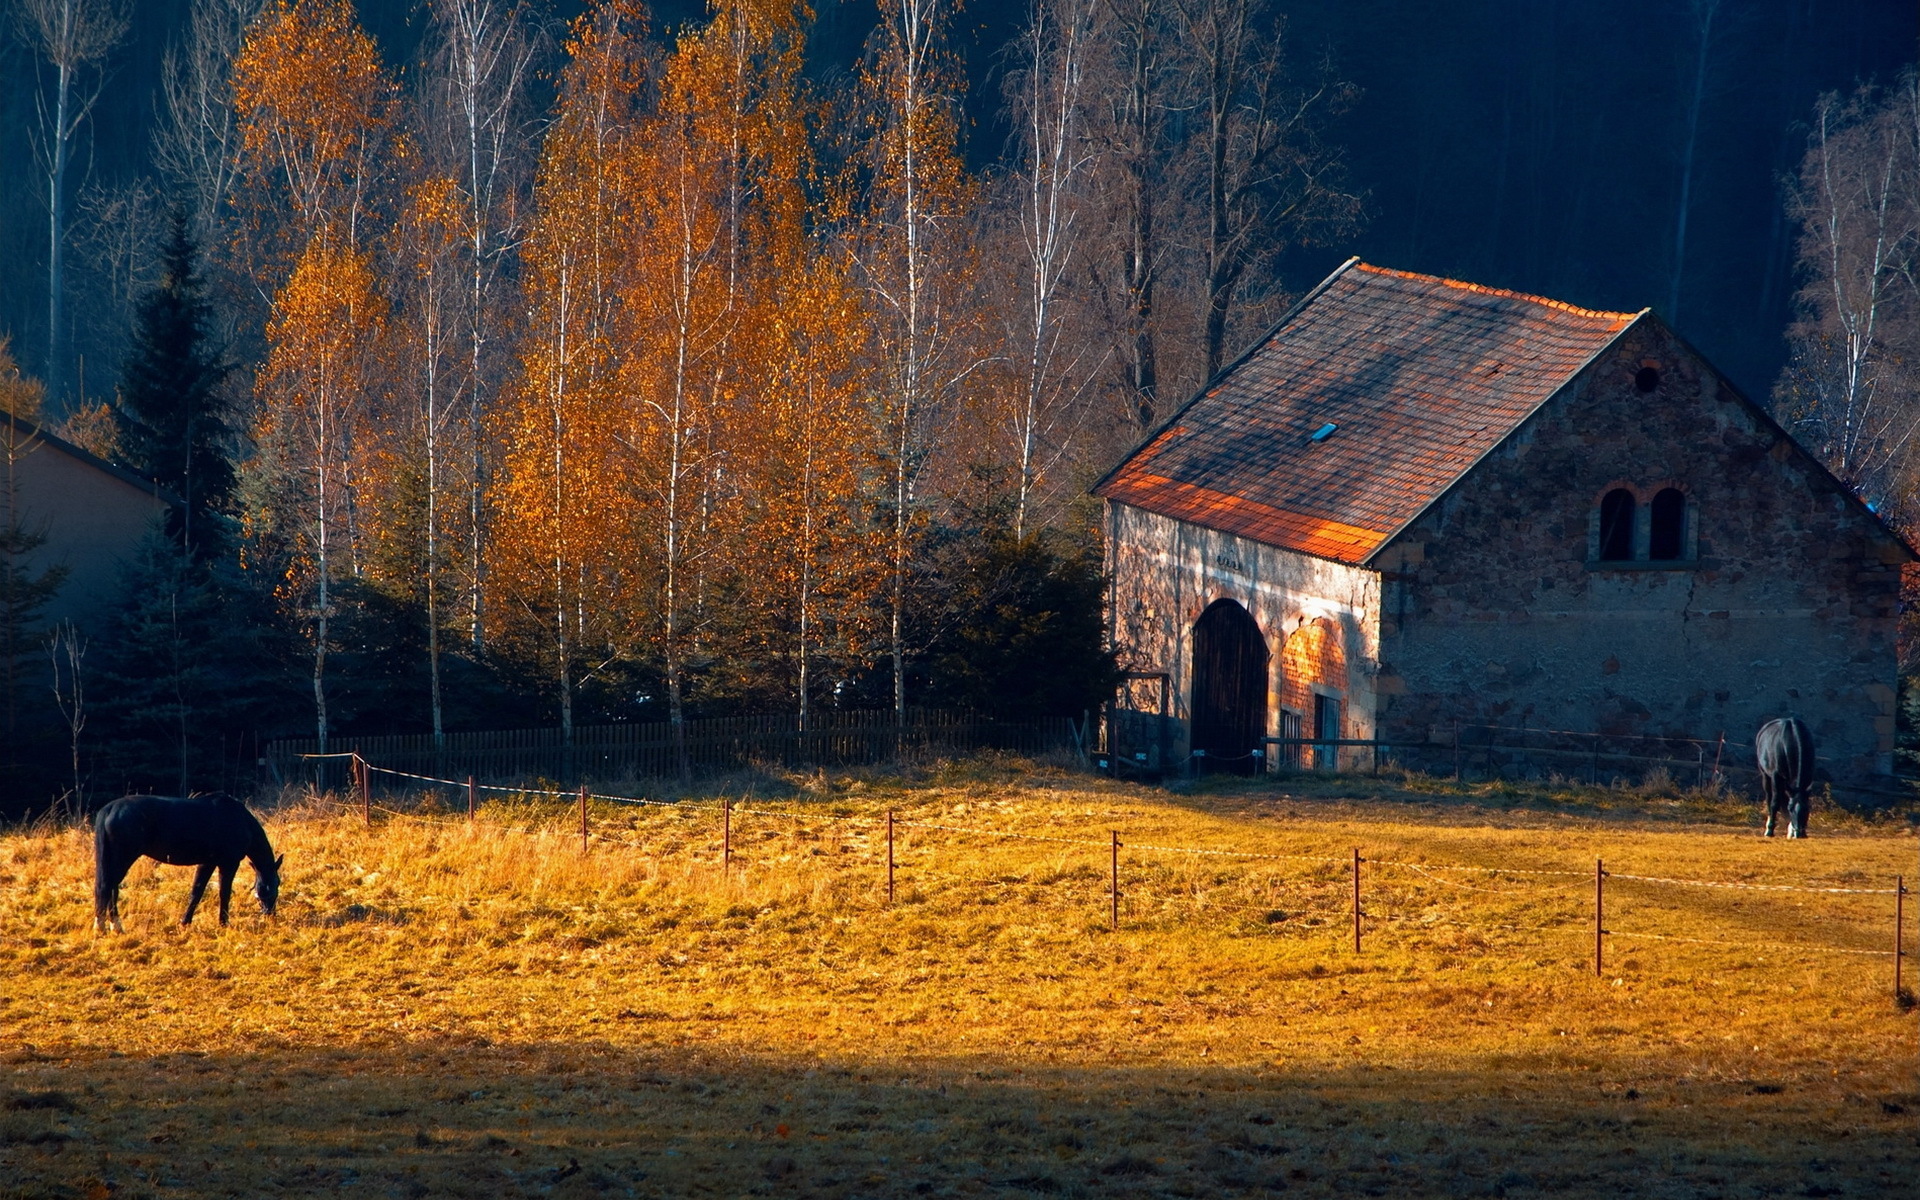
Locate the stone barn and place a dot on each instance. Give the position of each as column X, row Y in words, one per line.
column 1419, row 504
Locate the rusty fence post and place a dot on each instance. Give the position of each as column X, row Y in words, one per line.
column 1599, row 913
column 889, row 856
column 726, row 836
column 364, row 778
column 1719, row 749
column 1356, row 899
column 583, row 818
column 1114, row 882
column 473, row 797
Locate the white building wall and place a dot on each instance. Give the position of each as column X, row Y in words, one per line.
column 1164, row 573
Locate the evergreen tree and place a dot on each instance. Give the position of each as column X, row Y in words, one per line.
column 173, row 424
column 1020, row 634
column 194, row 671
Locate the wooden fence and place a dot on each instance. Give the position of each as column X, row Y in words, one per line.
column 651, row 751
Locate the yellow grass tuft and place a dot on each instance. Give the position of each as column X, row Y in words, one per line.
column 464, row 1009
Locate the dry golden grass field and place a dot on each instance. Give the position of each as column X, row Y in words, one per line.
column 453, row 1009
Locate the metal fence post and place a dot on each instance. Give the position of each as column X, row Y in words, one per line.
column 473, row 797
column 1114, row 916
column 1599, row 912
column 726, row 836
column 583, row 818
column 363, row 777
column 889, row 856
column 1899, row 919
column 1356, row 899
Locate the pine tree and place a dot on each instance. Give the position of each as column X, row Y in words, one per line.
column 192, row 666
column 173, row 424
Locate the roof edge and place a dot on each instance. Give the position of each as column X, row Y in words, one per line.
column 1226, row 370
column 123, row 474
column 1505, row 293
column 1573, row 377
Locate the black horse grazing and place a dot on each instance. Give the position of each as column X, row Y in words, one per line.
column 1784, row 748
column 204, row 831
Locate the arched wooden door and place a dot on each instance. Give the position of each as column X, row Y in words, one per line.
column 1229, row 688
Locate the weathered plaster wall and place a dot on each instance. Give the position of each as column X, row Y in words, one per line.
column 1494, row 610
column 1165, row 573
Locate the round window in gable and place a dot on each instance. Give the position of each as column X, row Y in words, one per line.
column 1646, row 379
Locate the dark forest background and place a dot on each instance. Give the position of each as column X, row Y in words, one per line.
column 1732, row 166
column 1517, row 143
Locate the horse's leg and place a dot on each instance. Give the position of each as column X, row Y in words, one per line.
column 200, row 876
column 102, row 890
column 116, row 873
column 1797, row 813
column 227, row 872
column 107, row 874
column 1770, row 796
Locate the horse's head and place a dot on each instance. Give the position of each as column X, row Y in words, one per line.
column 266, row 884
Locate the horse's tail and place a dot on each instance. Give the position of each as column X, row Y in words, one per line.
column 1800, row 763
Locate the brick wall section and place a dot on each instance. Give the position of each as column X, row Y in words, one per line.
column 1165, row 572
column 1786, row 601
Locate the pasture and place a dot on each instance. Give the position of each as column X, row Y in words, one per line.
column 445, row 1008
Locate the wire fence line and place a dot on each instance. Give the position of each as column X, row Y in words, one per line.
column 1283, row 909
column 1096, row 843
column 703, row 746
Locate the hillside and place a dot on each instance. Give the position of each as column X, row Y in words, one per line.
column 444, row 1008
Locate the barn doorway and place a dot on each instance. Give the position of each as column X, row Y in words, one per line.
column 1229, row 689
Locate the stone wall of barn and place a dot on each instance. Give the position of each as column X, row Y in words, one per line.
column 1498, row 609
column 1320, row 620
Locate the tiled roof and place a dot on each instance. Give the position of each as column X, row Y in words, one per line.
column 1421, row 376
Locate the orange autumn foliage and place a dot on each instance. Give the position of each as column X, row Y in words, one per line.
column 554, row 551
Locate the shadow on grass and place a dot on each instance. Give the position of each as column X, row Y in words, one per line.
column 460, row 1119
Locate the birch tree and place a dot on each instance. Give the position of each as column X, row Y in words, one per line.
column 915, row 268
column 327, row 322
column 473, row 113
column 315, row 108
column 1053, row 361
column 550, row 551
column 196, row 141
column 1851, row 377
column 716, row 177
column 72, row 38
column 428, row 268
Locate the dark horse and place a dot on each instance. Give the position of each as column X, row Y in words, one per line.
column 204, row 831
column 1784, row 748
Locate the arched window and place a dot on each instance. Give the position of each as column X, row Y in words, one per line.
column 1616, row 526
column 1667, row 526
